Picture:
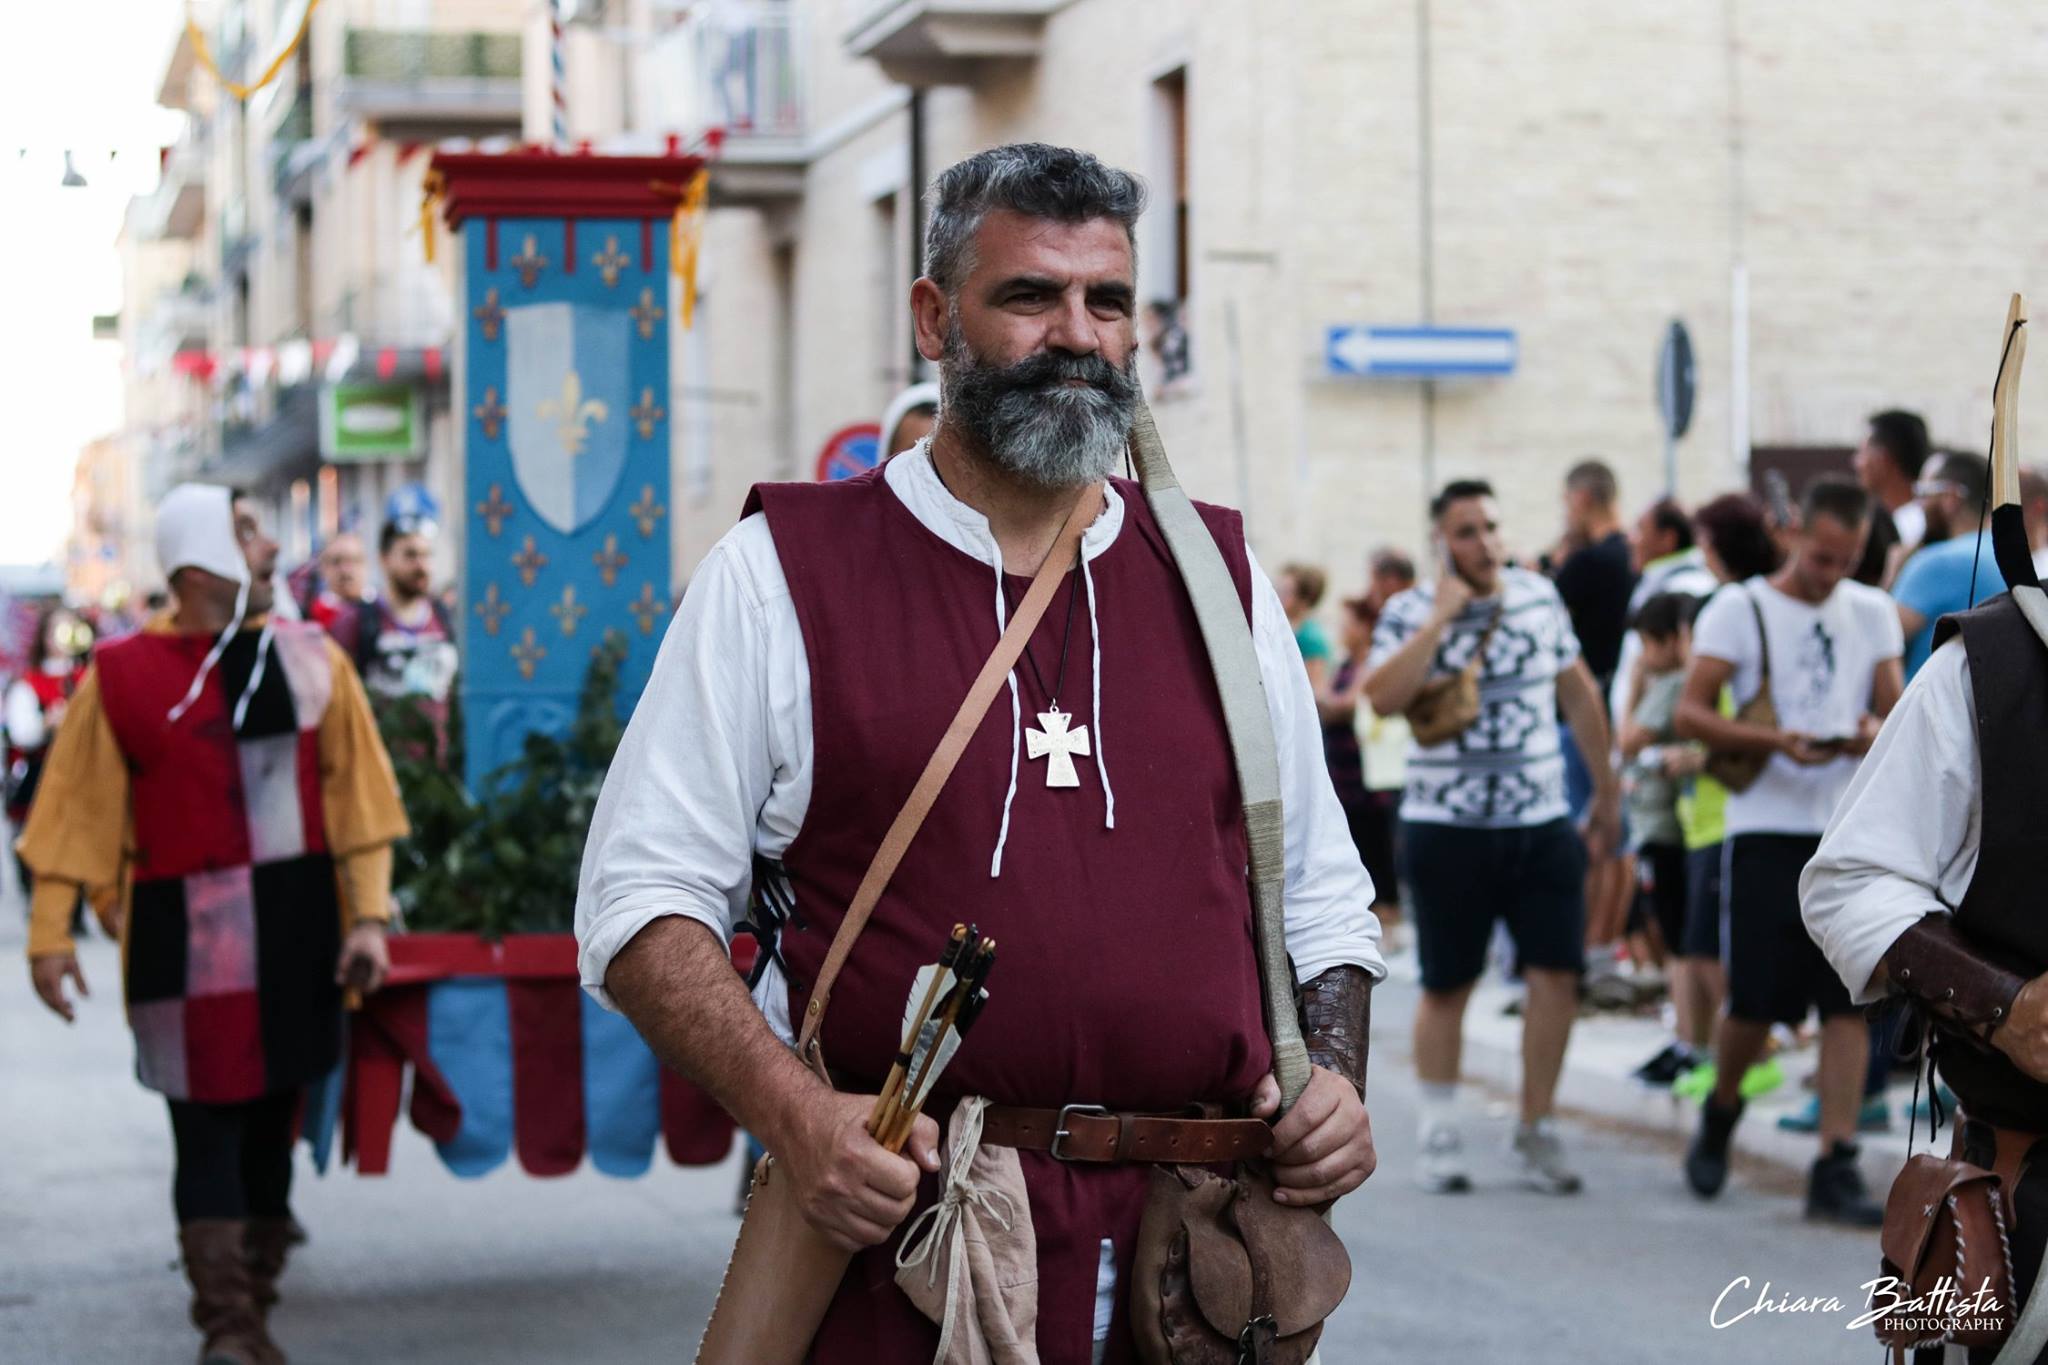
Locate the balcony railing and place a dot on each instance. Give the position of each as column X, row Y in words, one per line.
column 737, row 69
column 430, row 75
column 178, row 206
column 407, row 307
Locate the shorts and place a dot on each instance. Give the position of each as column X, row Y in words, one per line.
column 1372, row 831
column 1776, row 973
column 1461, row 880
column 1702, row 903
column 1661, row 890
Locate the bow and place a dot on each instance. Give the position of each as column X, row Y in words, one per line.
column 2008, row 517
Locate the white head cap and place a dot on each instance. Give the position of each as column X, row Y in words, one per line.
column 195, row 528
column 902, row 405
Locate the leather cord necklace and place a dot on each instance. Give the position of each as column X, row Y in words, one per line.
column 1052, row 694
column 1057, row 740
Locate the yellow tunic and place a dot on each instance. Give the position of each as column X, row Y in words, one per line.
column 80, row 833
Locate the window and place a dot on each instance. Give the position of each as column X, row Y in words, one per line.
column 885, row 255
column 1164, row 255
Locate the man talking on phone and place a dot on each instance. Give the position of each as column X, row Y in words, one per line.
column 1486, row 834
column 1828, row 650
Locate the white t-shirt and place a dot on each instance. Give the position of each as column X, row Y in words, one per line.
column 1910, row 519
column 1506, row 771
column 1824, row 660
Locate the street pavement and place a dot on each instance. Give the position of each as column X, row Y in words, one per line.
column 421, row 1266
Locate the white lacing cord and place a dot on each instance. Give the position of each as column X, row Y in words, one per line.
column 995, row 867
column 941, row 1223
column 255, row 675
column 212, row 656
column 1095, row 707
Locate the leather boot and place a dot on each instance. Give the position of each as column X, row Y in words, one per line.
column 223, row 1305
column 268, row 1243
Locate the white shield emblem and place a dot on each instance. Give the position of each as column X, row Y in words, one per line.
column 567, row 399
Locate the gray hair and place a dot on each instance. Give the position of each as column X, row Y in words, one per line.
column 1031, row 178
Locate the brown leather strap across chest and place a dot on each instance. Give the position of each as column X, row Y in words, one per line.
column 1089, row 1132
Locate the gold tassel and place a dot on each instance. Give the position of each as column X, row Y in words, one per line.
column 686, row 235
column 431, row 186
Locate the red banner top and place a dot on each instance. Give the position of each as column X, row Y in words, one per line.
column 543, row 184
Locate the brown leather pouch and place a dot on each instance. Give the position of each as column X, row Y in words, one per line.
column 1447, row 707
column 1945, row 1229
column 1224, row 1275
column 1738, row 770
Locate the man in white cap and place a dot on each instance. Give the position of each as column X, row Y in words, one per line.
column 223, row 769
column 909, row 418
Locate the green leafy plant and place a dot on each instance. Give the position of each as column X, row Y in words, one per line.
column 504, row 860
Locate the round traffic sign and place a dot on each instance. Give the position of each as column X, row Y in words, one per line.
column 850, row 451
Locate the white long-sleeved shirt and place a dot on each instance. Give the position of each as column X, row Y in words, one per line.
column 26, row 728
column 716, row 764
column 1904, row 839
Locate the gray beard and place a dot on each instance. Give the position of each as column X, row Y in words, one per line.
column 1034, row 426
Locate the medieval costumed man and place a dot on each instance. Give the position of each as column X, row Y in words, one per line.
column 804, row 684
column 1926, row 884
column 223, row 769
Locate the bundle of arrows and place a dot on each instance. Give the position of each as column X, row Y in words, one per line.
column 946, row 997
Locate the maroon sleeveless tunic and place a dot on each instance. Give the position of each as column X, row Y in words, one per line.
column 1125, row 971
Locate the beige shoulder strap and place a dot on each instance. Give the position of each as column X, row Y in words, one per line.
column 1232, row 656
column 940, row 767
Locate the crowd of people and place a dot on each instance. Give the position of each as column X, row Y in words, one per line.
column 1622, row 757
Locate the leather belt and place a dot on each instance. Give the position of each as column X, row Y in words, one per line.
column 1090, row 1132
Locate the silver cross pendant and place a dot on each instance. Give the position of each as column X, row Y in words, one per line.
column 1058, row 744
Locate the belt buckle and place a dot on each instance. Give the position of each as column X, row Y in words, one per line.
column 1060, row 1129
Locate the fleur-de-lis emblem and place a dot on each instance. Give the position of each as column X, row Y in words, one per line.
column 611, row 633
column 611, row 261
column 648, row 511
column 528, row 652
column 647, row 609
column 495, row 510
column 490, row 316
column 529, row 561
column 568, row 611
column 646, row 413
column 493, row 609
column 609, row 561
column 646, row 312
column 572, row 413
column 529, row 262
column 490, row 414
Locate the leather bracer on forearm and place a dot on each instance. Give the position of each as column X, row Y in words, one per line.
column 1336, row 1014
column 1958, row 985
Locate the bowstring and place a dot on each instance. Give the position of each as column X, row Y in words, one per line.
column 1990, row 459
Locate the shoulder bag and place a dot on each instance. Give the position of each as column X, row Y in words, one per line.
column 1738, row 770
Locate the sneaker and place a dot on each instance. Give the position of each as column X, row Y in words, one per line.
column 1539, row 1160
column 1835, row 1192
column 1442, row 1169
column 1758, row 1081
column 1706, row 1161
column 1874, row 1117
column 1695, row 1084
column 1666, row 1067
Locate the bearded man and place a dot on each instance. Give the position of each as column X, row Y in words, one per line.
column 804, row 683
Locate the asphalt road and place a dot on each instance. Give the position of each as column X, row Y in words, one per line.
column 421, row 1266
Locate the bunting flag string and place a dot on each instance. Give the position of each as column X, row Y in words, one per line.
column 204, row 53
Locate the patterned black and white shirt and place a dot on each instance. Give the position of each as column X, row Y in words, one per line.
column 1507, row 770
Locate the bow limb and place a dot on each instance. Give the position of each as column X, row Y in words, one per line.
column 2009, row 545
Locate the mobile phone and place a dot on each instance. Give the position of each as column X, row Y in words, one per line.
column 1833, row 743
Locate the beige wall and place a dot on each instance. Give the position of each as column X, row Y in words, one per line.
column 1597, row 170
